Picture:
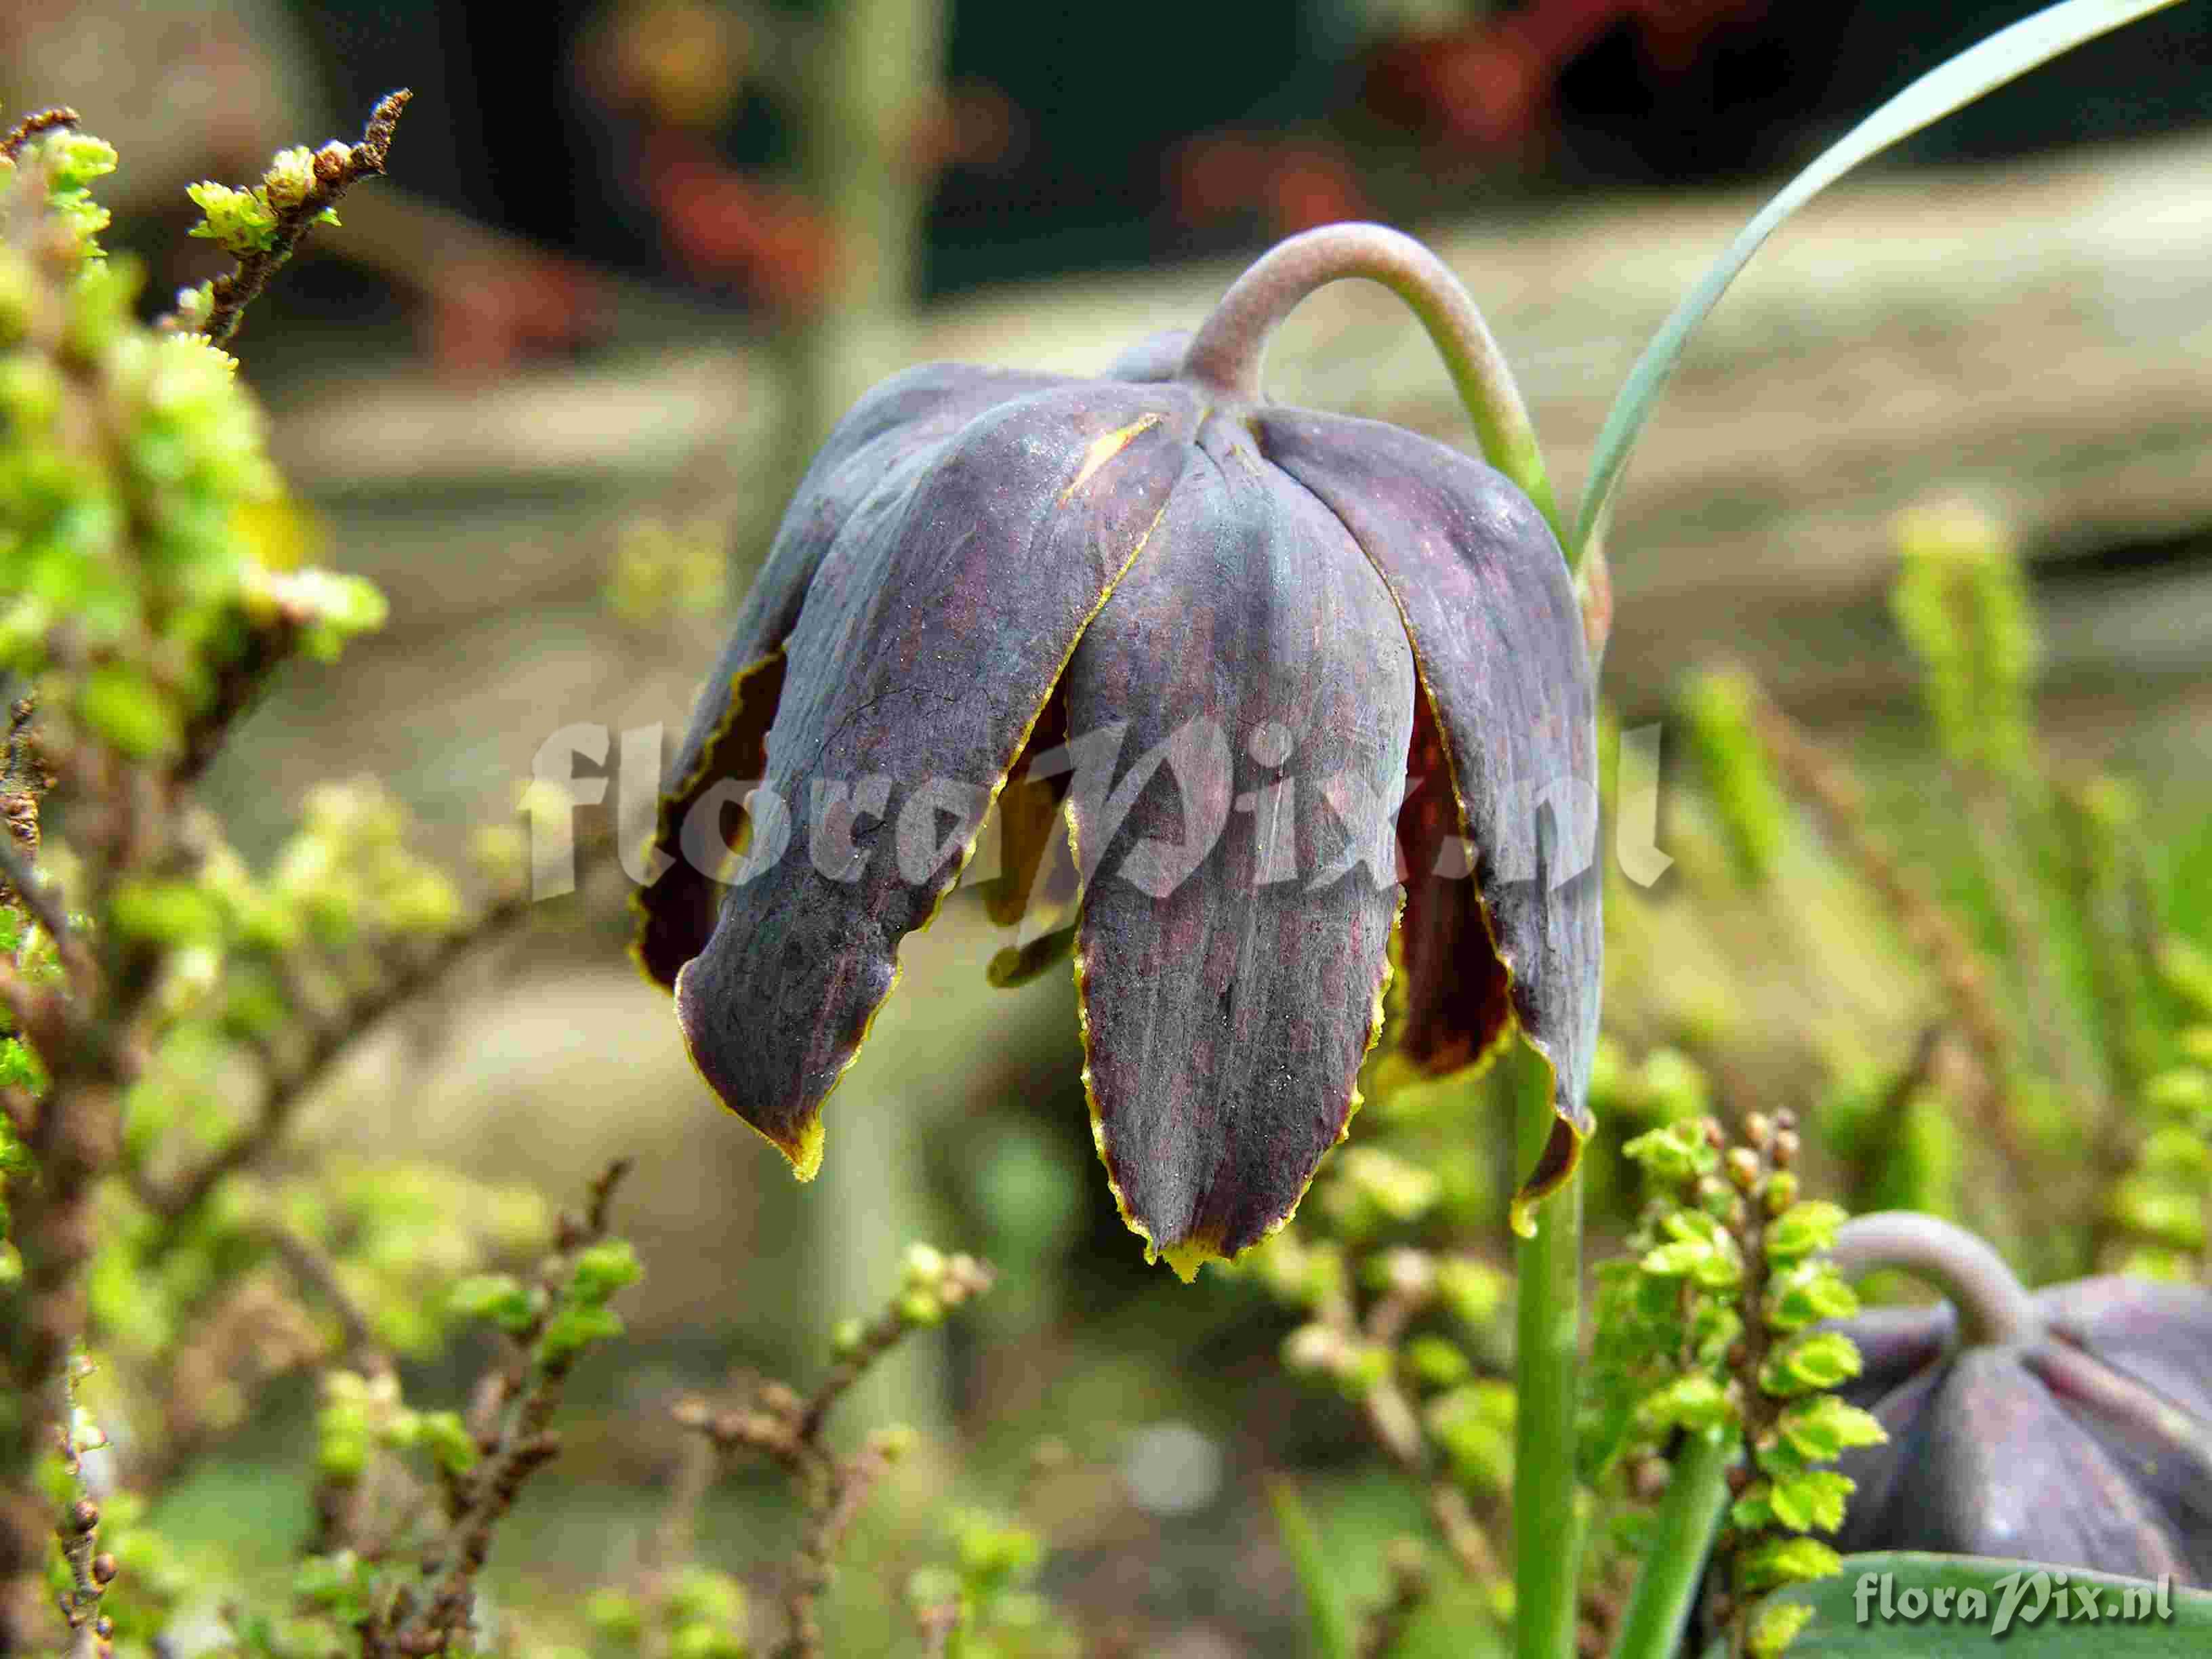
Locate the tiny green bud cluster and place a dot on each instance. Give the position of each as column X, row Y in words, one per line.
column 1714, row 1324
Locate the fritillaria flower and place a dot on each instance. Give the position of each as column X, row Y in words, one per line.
column 1199, row 648
column 2072, row 1426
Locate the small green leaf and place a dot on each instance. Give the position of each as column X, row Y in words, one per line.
column 1811, row 1501
column 1803, row 1229
column 500, row 1298
column 1808, row 1294
column 575, row 1328
column 448, row 1440
column 603, row 1268
column 1774, row 1628
column 1789, row 1561
column 1318, row 1574
column 1692, row 1402
column 1819, row 1361
column 1676, row 1153
column 1821, row 1427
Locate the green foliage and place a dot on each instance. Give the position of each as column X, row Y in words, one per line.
column 1961, row 603
column 984, row 1599
column 1707, row 1324
column 134, row 542
column 1754, row 812
column 661, row 570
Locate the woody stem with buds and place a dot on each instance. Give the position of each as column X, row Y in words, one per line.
column 1993, row 1306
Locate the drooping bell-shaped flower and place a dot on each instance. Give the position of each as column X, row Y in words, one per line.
column 1199, row 648
column 2072, row 1426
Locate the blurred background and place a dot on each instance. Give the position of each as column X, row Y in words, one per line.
column 551, row 382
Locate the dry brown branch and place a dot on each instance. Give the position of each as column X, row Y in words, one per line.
column 91, row 1570
column 521, row 1445
column 779, row 1423
column 45, row 120
column 338, row 167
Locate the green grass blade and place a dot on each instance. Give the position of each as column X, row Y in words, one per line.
column 1333, row 1636
column 2005, row 56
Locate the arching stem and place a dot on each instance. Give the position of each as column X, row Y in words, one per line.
column 1225, row 353
column 1993, row 1306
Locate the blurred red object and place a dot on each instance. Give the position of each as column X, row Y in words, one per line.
column 1489, row 85
column 722, row 225
column 484, row 312
column 971, row 125
column 1290, row 183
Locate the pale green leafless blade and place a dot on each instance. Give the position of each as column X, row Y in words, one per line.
column 1984, row 67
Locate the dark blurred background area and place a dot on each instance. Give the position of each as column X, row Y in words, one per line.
column 1082, row 137
column 659, row 139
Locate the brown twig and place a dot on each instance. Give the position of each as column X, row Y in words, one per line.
column 24, row 781
column 523, row 1445
column 91, row 1570
column 338, row 167
column 317, row 1274
column 45, row 120
column 781, row 1425
column 1389, row 1413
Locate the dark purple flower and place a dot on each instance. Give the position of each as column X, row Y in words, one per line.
column 1237, row 630
column 2072, row 1426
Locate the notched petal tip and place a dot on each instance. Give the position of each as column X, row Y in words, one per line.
column 1229, row 958
column 801, row 1147
column 1506, row 725
column 1184, row 1260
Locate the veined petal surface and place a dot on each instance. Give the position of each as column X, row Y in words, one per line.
column 1497, row 637
column 936, row 626
column 1240, row 876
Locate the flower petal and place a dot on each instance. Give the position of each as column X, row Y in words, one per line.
column 1497, row 637
column 897, row 428
column 932, row 634
column 2159, row 1335
column 1230, row 965
column 2000, row 1468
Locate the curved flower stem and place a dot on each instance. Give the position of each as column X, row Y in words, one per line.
column 1225, row 353
column 1548, row 1277
column 1687, row 1518
column 1993, row 1306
